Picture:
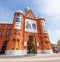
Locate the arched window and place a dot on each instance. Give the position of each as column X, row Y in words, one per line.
column 14, row 39
column 34, row 26
column 28, row 26
column 8, row 33
column 44, row 26
column 18, row 40
column 18, row 15
column 3, row 26
column 9, row 26
column 18, row 19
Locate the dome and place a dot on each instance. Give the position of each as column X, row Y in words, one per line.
column 19, row 11
column 40, row 17
column 26, row 9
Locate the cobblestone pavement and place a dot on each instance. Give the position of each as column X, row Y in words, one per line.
column 31, row 58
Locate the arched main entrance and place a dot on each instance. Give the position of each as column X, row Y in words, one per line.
column 3, row 47
column 31, row 45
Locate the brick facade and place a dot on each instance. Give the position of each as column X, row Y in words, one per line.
column 16, row 35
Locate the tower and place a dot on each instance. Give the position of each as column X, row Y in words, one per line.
column 45, row 46
column 28, row 35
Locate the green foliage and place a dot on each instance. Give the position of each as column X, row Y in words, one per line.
column 32, row 47
column 53, row 46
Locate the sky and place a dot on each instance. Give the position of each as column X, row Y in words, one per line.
column 49, row 9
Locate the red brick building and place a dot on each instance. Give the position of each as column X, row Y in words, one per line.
column 26, row 35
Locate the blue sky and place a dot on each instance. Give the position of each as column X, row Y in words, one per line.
column 49, row 9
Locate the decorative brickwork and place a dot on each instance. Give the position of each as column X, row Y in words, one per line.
column 17, row 35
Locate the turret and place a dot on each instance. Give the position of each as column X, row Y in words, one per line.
column 15, row 44
column 45, row 41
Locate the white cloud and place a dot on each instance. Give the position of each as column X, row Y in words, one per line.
column 54, row 35
column 48, row 7
column 56, row 17
column 51, row 7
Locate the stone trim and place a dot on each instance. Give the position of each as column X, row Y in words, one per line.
column 16, row 52
column 44, row 51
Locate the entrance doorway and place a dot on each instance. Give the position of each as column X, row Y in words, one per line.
column 3, row 47
column 31, row 45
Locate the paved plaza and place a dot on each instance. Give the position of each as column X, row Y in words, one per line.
column 31, row 58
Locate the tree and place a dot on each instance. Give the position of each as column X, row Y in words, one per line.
column 58, row 42
column 53, row 46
